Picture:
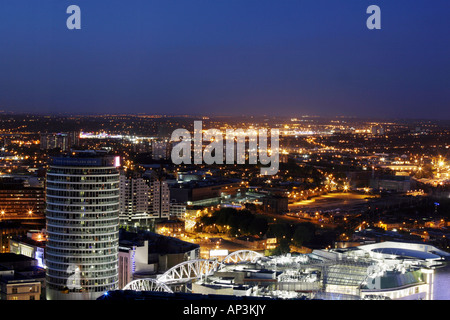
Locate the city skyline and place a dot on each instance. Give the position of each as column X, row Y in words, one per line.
column 356, row 192
column 226, row 58
column 224, row 150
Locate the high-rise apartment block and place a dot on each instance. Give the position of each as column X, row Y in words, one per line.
column 82, row 226
column 133, row 195
column 159, row 195
column 63, row 141
column 134, row 200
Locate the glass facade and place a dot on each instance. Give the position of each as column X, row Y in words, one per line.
column 83, row 227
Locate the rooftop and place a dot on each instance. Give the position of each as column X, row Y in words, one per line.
column 12, row 257
column 17, row 278
column 94, row 158
column 156, row 243
column 407, row 253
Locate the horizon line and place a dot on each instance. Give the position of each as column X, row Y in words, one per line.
column 193, row 115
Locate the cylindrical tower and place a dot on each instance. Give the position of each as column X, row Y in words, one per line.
column 83, row 226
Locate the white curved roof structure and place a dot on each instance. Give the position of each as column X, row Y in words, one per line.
column 407, row 250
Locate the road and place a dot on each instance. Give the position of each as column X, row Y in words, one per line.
column 330, row 201
column 7, row 217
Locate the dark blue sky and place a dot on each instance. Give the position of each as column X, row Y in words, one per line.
column 278, row 57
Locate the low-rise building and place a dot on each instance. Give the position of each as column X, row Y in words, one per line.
column 20, row 278
column 170, row 227
column 392, row 183
column 15, row 286
column 275, row 204
column 31, row 245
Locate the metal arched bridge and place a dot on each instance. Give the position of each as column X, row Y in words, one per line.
column 191, row 270
column 147, row 285
column 240, row 256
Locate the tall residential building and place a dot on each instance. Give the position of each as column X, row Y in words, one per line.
column 133, row 195
column 82, row 226
column 159, row 196
column 133, row 200
column 63, row 141
column 160, row 149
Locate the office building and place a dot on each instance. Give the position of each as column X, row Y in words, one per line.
column 204, row 192
column 17, row 200
column 8, row 230
column 177, row 210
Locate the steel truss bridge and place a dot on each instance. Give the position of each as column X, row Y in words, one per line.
column 147, row 285
column 191, row 270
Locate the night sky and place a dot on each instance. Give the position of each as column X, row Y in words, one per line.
column 227, row 57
